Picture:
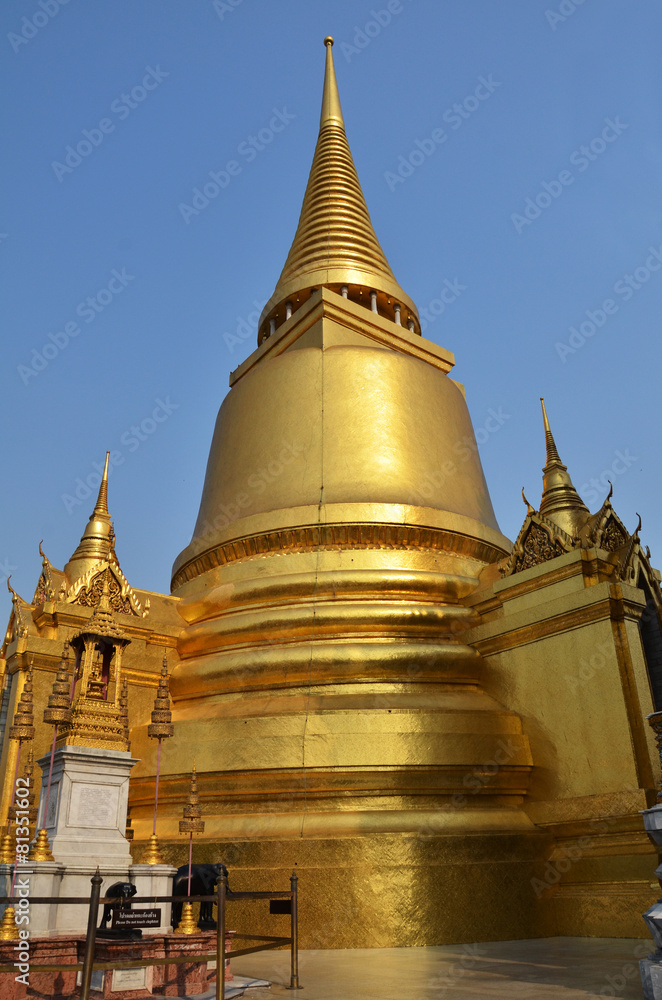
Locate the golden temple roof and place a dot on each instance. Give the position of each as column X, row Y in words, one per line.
column 560, row 501
column 335, row 244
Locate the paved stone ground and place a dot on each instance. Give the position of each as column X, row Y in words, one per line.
column 543, row 969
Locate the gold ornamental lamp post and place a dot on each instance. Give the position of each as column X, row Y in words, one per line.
column 21, row 730
column 57, row 712
column 160, row 728
column 192, row 823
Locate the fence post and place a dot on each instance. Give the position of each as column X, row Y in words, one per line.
column 294, row 977
column 221, row 889
column 92, row 918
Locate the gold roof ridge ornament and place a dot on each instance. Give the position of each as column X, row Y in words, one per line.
column 560, row 500
column 97, row 540
column 335, row 245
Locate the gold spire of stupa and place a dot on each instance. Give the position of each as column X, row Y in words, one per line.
column 335, row 244
column 560, row 501
column 97, row 541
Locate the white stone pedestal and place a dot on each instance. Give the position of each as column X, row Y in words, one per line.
column 86, row 818
column 86, row 822
column 154, row 880
column 44, row 878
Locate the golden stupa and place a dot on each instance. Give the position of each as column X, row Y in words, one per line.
column 446, row 734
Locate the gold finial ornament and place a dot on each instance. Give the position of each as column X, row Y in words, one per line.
column 335, row 244
column 58, row 710
column 153, row 855
column 187, row 924
column 192, row 823
column 124, row 707
column 41, row 849
column 23, row 726
column 8, row 928
column 161, row 727
column 560, row 501
column 7, row 847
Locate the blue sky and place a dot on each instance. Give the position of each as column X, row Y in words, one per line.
column 162, row 92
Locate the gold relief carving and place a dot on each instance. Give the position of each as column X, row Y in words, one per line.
column 536, row 547
column 122, row 599
column 90, row 596
column 613, row 537
column 341, row 537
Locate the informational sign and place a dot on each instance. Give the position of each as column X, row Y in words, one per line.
column 136, row 918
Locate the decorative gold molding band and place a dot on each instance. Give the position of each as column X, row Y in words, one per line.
column 337, row 536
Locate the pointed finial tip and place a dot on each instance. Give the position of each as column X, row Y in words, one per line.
column 328, row 40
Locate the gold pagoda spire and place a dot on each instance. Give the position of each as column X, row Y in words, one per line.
column 560, row 501
column 97, row 541
column 335, row 244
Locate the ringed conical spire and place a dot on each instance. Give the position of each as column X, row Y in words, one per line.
column 97, row 541
column 335, row 244
column 560, row 502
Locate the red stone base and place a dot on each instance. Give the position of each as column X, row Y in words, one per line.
column 185, row 979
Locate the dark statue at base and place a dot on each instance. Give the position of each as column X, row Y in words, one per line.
column 203, row 883
column 120, row 891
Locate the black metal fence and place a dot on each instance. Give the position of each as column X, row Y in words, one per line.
column 220, row 898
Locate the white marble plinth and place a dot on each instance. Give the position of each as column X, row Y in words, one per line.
column 40, row 878
column 87, row 807
column 154, row 880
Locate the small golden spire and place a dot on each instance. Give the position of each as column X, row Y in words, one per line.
column 335, row 244
column 97, row 541
column 161, row 727
column 8, row 928
column 331, row 110
column 560, row 501
column 23, row 726
column 41, row 849
column 58, row 709
column 153, row 855
column 192, row 823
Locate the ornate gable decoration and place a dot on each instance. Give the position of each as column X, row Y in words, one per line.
column 122, row 598
column 45, row 587
column 538, row 541
column 17, row 628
